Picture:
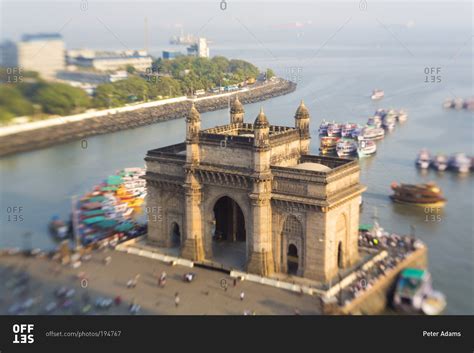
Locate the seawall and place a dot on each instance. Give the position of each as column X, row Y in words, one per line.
column 77, row 130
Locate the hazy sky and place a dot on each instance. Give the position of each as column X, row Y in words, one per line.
column 113, row 24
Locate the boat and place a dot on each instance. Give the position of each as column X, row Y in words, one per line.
column 59, row 229
column 347, row 129
column 440, row 162
column 459, row 163
column 414, row 293
column 423, row 160
column 334, row 130
column 428, row 195
column 377, row 94
column 402, row 116
column 346, row 148
column 371, row 133
column 366, row 148
column 356, row 132
column 389, row 120
column 328, row 144
column 374, row 121
column 323, row 128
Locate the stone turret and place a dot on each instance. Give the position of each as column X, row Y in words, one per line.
column 236, row 112
column 193, row 247
column 193, row 125
column 261, row 258
column 302, row 119
column 261, row 132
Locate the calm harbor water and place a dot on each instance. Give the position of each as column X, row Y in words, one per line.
column 334, row 85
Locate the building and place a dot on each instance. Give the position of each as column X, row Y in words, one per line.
column 250, row 196
column 199, row 49
column 43, row 53
column 171, row 54
column 110, row 60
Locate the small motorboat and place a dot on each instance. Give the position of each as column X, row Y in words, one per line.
column 377, row 94
column 414, row 293
column 323, row 128
column 366, row 148
column 346, row 148
column 59, row 229
column 334, row 130
column 423, row 160
column 371, row 133
column 427, row 195
column 440, row 162
column 459, row 163
column 328, row 144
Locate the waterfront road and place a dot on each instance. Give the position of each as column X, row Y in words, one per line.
column 28, row 284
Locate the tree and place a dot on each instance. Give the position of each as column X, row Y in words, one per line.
column 270, row 74
column 61, row 99
column 130, row 69
column 13, row 102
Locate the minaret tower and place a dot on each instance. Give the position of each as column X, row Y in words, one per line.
column 236, row 112
column 261, row 258
column 193, row 248
column 302, row 124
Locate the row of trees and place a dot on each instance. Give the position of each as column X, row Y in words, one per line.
column 168, row 78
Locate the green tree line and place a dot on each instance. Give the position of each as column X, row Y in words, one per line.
column 33, row 96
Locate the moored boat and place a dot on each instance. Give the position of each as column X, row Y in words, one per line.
column 323, row 128
column 428, row 194
column 347, row 129
column 374, row 121
column 345, row 148
column 371, row 133
column 377, row 94
column 334, row 130
column 423, row 160
column 460, row 163
column 402, row 116
column 389, row 120
column 328, row 144
column 440, row 162
column 59, row 229
column 366, row 148
column 414, row 293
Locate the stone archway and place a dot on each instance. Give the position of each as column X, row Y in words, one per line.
column 175, row 235
column 292, row 259
column 292, row 246
column 229, row 236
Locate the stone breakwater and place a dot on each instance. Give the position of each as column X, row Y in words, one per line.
column 77, row 130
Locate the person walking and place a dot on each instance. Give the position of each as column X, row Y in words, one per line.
column 242, row 295
column 176, row 299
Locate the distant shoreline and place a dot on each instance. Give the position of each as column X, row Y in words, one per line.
column 46, row 133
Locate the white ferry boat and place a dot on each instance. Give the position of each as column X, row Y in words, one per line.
column 323, row 128
column 347, row 129
column 423, row 160
column 346, row 148
column 460, row 163
column 366, row 148
column 371, row 133
column 440, row 162
column 334, row 130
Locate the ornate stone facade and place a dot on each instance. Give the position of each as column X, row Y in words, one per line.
column 298, row 213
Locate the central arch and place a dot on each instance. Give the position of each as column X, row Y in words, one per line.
column 228, row 233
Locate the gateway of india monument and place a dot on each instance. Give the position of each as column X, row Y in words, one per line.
column 252, row 193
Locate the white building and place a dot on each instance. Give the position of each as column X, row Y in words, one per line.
column 43, row 53
column 110, row 60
